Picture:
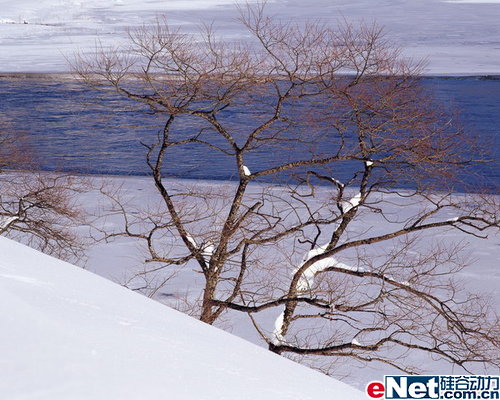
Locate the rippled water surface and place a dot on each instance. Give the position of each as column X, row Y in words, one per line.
column 72, row 131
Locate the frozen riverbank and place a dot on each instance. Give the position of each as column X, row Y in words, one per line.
column 457, row 37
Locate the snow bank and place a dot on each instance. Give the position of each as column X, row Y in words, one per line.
column 69, row 334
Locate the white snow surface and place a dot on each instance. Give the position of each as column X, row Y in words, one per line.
column 456, row 36
column 69, row 334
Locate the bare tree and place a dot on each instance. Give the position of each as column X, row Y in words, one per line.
column 335, row 239
column 38, row 208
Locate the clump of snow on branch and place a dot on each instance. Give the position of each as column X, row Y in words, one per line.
column 207, row 249
column 350, row 204
column 7, row 222
column 278, row 329
column 246, row 171
column 306, row 281
column 337, row 182
column 191, row 240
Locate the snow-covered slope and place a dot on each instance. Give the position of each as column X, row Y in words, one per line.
column 69, row 334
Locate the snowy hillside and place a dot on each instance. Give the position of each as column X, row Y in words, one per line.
column 69, row 334
column 457, row 36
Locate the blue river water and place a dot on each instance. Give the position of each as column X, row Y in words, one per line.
column 70, row 131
